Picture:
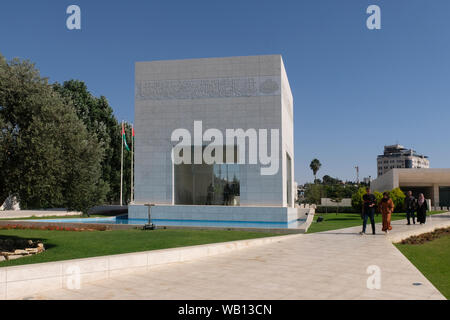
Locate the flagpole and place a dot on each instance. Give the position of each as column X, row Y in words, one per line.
column 132, row 156
column 121, row 166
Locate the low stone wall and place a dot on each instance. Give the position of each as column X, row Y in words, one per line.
column 309, row 220
column 10, row 214
column 327, row 202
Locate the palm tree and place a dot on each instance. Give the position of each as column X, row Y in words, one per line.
column 315, row 167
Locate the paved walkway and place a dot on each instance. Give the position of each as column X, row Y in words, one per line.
column 328, row 265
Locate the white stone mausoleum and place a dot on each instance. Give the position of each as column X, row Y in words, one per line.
column 209, row 98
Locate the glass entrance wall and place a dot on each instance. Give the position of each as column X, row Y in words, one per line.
column 204, row 184
column 444, row 196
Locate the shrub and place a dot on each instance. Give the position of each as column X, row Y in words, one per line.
column 357, row 199
column 378, row 196
column 397, row 196
column 332, row 209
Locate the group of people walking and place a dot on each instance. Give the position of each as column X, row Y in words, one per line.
column 414, row 205
column 386, row 208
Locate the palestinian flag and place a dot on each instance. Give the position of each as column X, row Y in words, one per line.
column 124, row 138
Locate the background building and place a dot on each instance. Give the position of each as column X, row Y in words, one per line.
column 433, row 183
column 398, row 157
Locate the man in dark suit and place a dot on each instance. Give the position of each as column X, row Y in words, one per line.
column 369, row 204
column 410, row 206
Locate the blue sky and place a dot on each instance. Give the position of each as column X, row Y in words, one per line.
column 354, row 89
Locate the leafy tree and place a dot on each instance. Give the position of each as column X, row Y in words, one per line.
column 349, row 190
column 97, row 115
column 315, row 167
column 99, row 120
column 332, row 188
column 330, row 180
column 398, row 197
column 338, row 189
column 49, row 159
column 313, row 193
column 357, row 199
column 6, row 143
column 378, row 196
column 334, row 191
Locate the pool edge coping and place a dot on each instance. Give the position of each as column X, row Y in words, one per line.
column 27, row 223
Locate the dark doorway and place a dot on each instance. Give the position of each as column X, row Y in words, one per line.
column 444, row 196
column 427, row 191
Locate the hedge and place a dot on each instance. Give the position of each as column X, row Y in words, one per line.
column 333, row 209
column 397, row 196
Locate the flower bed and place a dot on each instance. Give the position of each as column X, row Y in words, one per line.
column 52, row 228
column 427, row 237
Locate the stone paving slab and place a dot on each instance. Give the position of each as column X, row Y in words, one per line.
column 327, row 265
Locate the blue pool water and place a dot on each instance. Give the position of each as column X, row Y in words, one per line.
column 187, row 223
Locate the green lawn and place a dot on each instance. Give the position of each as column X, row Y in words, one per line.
column 334, row 221
column 433, row 260
column 64, row 245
